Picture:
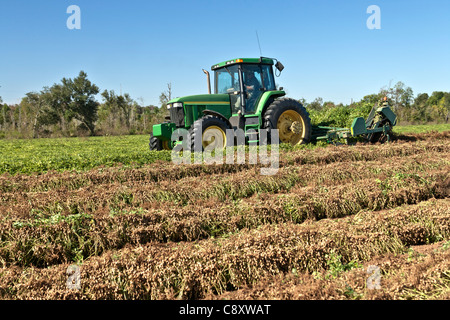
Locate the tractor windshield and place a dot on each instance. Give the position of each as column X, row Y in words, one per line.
column 227, row 79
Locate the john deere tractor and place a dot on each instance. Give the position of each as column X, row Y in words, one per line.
column 245, row 97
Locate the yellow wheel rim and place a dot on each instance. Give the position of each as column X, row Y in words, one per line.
column 165, row 145
column 214, row 136
column 291, row 127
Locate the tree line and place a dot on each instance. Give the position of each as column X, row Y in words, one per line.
column 69, row 108
column 420, row 109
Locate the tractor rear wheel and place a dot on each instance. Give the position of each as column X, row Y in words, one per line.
column 291, row 119
column 209, row 131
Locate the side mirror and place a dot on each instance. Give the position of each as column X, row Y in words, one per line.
column 279, row 66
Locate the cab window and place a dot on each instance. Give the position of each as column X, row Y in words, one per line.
column 227, row 79
column 269, row 83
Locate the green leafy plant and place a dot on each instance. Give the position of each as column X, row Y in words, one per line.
column 336, row 266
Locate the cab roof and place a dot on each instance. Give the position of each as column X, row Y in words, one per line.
column 243, row 60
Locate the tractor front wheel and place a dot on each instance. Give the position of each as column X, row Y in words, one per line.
column 291, row 119
column 209, row 131
column 157, row 145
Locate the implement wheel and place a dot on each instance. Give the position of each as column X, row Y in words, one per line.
column 380, row 137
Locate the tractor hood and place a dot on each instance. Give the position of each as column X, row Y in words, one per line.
column 203, row 99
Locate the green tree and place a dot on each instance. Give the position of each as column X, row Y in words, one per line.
column 303, row 102
column 440, row 103
column 2, row 120
column 400, row 98
column 372, row 99
column 56, row 101
column 4, row 116
column 63, row 102
column 82, row 105
column 435, row 97
column 165, row 97
column 118, row 107
column 317, row 104
column 420, row 112
column 31, row 106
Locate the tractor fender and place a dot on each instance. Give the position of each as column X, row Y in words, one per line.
column 217, row 114
column 266, row 99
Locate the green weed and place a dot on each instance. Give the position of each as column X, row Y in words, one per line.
column 336, row 266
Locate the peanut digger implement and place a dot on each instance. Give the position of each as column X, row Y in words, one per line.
column 245, row 98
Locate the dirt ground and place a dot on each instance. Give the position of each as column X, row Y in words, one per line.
column 334, row 223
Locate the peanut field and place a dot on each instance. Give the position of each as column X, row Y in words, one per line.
column 138, row 226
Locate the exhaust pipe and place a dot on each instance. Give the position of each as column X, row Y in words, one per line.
column 209, row 82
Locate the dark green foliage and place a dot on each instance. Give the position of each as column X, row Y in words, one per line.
column 82, row 105
column 409, row 110
column 339, row 116
column 69, row 108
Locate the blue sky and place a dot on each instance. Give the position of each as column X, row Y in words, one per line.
column 140, row 46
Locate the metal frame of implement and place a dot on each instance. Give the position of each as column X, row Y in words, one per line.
column 381, row 119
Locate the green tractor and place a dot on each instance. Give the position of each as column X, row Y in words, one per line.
column 246, row 98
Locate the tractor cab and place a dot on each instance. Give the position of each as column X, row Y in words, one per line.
column 245, row 80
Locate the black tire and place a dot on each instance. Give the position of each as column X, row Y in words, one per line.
column 380, row 137
column 155, row 144
column 277, row 108
column 199, row 127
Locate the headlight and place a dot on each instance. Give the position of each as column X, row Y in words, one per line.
column 169, row 106
column 178, row 105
